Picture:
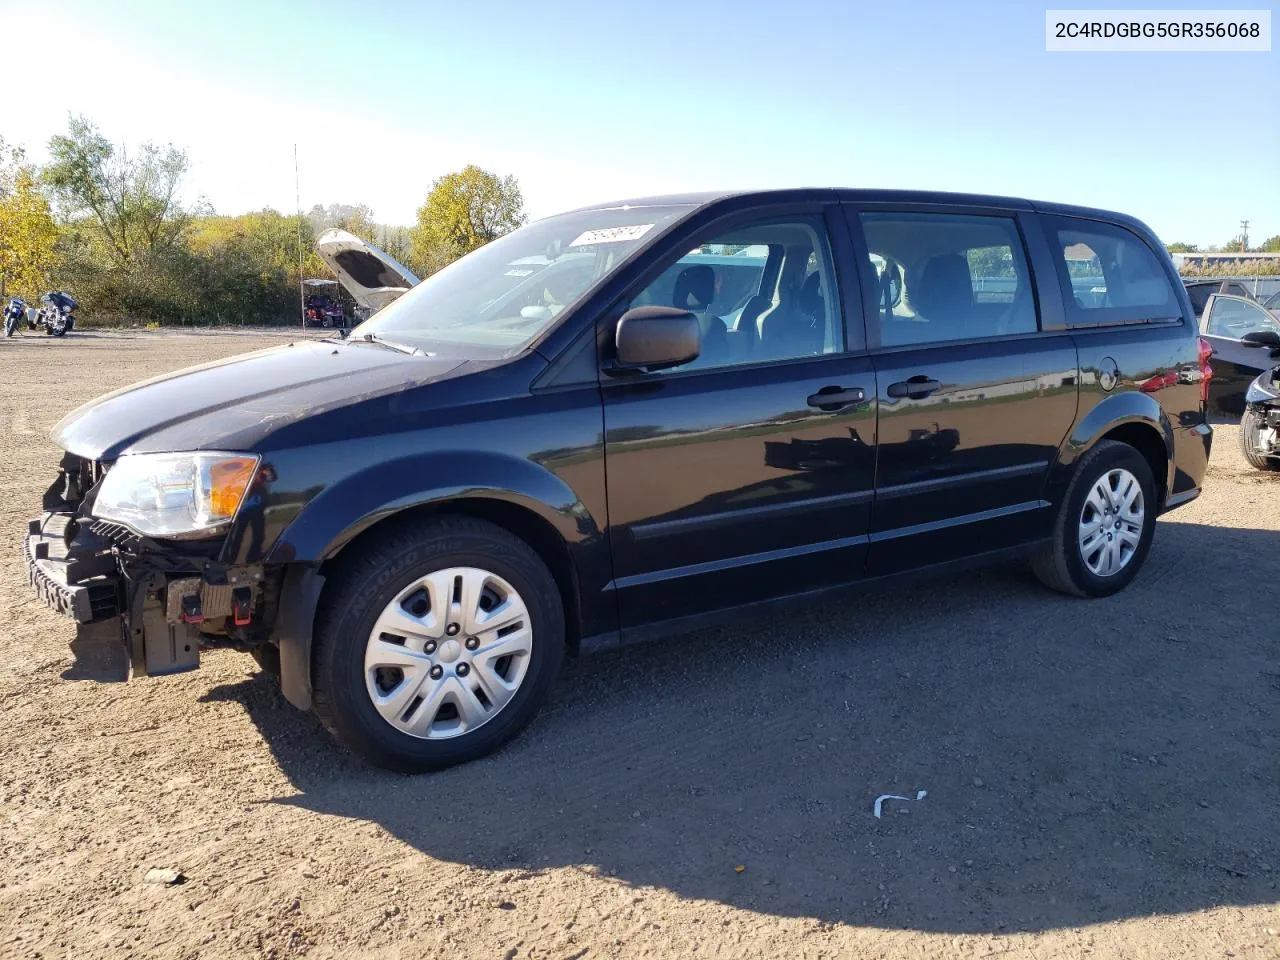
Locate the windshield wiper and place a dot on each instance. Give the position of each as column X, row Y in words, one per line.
column 383, row 342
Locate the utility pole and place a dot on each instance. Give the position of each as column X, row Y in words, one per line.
column 1244, row 235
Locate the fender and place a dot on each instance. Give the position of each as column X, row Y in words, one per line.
column 358, row 501
column 1108, row 413
column 339, row 514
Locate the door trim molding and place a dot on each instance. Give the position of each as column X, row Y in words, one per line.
column 652, row 530
column 962, row 479
column 730, row 563
column 979, row 517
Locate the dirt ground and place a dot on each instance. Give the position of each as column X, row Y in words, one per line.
column 1102, row 777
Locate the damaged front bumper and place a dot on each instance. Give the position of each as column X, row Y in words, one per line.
column 168, row 604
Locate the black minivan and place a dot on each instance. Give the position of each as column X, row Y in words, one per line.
column 669, row 410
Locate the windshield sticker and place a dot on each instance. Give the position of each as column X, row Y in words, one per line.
column 612, row 235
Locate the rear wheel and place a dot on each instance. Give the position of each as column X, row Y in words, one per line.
column 1104, row 526
column 438, row 644
column 1257, row 439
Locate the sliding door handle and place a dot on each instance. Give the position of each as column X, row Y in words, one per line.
column 914, row 388
column 836, row 398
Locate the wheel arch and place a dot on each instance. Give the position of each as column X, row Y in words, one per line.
column 530, row 503
column 1135, row 419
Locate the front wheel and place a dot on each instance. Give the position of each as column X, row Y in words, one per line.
column 1257, row 440
column 1105, row 524
column 436, row 644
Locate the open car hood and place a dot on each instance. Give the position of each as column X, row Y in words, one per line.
column 373, row 277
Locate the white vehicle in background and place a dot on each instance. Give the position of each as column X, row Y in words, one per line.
column 373, row 277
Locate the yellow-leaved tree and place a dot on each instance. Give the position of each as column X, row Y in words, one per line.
column 27, row 231
column 464, row 211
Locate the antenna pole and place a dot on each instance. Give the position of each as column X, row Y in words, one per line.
column 297, row 196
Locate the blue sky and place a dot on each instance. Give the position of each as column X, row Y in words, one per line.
column 587, row 101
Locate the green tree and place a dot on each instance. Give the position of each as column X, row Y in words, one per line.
column 1271, row 244
column 131, row 200
column 464, row 211
column 1183, row 248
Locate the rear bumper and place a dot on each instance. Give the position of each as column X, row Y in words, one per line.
column 86, row 589
column 1191, row 447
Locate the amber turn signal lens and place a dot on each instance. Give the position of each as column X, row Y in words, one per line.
column 228, row 480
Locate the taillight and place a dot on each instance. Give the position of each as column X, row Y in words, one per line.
column 1206, row 369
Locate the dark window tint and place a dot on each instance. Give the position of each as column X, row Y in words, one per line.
column 1233, row 318
column 948, row 277
column 761, row 292
column 1109, row 275
column 1200, row 294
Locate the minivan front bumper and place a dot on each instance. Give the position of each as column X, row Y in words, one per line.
column 166, row 608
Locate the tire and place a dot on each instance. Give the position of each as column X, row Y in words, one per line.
column 364, row 588
column 1062, row 565
column 1249, row 424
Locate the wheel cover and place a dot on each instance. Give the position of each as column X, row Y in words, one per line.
column 448, row 653
column 1111, row 523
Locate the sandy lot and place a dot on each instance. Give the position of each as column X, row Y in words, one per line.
column 1102, row 777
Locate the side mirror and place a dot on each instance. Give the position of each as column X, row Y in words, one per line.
column 1261, row 338
column 654, row 338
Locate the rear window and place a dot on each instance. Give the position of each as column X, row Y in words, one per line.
column 1109, row 275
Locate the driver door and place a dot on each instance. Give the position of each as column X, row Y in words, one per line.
column 1225, row 320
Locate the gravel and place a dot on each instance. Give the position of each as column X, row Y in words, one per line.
column 1126, row 807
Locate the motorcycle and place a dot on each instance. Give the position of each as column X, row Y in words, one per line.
column 14, row 311
column 57, row 316
column 1260, row 424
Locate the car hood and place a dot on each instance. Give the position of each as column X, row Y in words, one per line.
column 1265, row 387
column 233, row 404
column 373, row 277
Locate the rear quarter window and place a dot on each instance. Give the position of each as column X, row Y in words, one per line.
column 1109, row 275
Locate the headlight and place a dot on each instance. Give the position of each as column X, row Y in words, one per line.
column 175, row 494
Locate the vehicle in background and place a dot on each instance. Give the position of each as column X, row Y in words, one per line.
column 322, row 308
column 373, row 277
column 1272, row 304
column 1201, row 290
column 678, row 409
column 15, row 310
column 56, row 316
column 1228, row 323
column 1260, row 423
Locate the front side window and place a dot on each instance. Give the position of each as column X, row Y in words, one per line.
column 501, row 297
column 1232, row 318
column 761, row 292
column 941, row 277
column 1108, row 274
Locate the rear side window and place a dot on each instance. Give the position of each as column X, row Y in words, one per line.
column 1108, row 274
column 944, row 276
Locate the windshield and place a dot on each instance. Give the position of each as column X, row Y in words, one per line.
column 504, row 295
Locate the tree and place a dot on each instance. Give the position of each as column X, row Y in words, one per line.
column 132, row 201
column 1183, row 248
column 1271, row 244
column 354, row 218
column 464, row 211
column 27, row 235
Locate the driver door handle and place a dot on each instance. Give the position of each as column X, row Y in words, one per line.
column 836, row 398
column 914, row 388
